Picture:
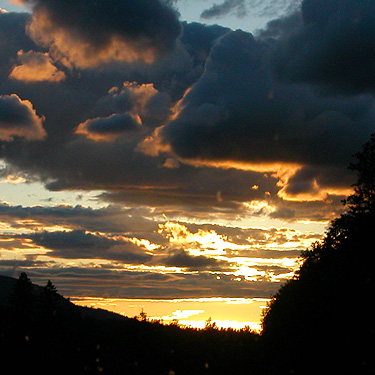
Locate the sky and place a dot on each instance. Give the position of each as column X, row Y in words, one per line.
column 177, row 150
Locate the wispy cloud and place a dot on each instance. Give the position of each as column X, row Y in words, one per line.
column 228, row 6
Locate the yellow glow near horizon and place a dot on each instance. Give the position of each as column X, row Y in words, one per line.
column 233, row 313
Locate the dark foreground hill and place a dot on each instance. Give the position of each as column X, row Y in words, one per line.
column 67, row 339
column 7, row 285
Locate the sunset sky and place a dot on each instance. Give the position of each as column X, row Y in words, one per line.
column 181, row 150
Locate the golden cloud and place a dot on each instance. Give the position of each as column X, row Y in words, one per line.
column 36, row 67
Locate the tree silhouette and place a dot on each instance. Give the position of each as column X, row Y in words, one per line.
column 209, row 324
column 309, row 323
column 21, row 299
column 363, row 199
column 49, row 301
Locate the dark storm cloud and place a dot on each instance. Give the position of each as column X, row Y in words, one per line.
column 19, row 118
column 65, row 160
column 239, row 111
column 13, row 39
column 281, row 27
column 139, row 179
column 225, row 8
column 335, row 46
column 90, row 33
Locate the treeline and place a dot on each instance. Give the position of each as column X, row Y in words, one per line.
column 42, row 331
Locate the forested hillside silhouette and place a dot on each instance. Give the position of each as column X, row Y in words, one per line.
column 43, row 332
column 320, row 322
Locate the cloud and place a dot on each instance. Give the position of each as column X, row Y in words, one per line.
column 88, row 34
column 122, row 248
column 79, row 244
column 212, row 239
column 111, row 219
column 143, row 102
column 68, row 160
column 225, row 120
column 18, row 118
column 223, row 9
column 180, row 258
column 242, row 8
column 36, row 67
column 334, row 46
column 13, row 26
column 119, row 283
column 238, row 114
column 108, row 128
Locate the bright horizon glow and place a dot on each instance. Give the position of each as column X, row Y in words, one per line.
column 236, row 313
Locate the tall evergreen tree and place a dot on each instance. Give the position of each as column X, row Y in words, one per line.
column 21, row 299
column 49, row 301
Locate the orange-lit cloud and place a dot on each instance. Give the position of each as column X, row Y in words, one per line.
column 18, row 118
column 318, row 193
column 128, row 32
column 108, row 128
column 179, row 234
column 36, row 67
column 137, row 107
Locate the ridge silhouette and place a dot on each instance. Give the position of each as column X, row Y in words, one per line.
column 53, row 336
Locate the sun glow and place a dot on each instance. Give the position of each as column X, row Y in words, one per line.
column 236, row 313
column 206, row 240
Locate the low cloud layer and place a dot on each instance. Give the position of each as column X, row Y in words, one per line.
column 152, row 258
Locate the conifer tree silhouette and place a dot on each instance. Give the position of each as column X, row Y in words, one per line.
column 49, row 301
column 21, row 299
